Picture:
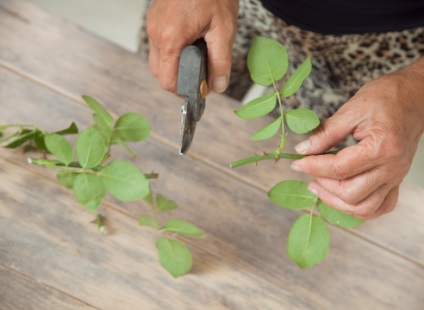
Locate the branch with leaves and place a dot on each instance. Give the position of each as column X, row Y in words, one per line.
column 309, row 239
column 89, row 170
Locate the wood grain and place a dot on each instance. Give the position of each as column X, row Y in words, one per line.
column 18, row 292
column 47, row 236
column 79, row 63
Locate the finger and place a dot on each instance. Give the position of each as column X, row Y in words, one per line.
column 328, row 134
column 363, row 209
column 357, row 188
column 153, row 59
column 168, row 68
column 388, row 205
column 219, row 59
column 345, row 164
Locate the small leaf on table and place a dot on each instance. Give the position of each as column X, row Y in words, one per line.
column 301, row 120
column 296, row 79
column 292, row 195
column 309, row 241
column 267, row 61
column 184, row 228
column 174, row 256
column 124, row 181
column 59, row 147
column 23, row 137
column 67, row 178
column 132, row 127
column 337, row 217
column 257, row 107
column 89, row 190
column 160, row 202
column 147, row 220
column 72, row 129
column 90, row 148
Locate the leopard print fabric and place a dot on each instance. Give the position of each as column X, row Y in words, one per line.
column 341, row 63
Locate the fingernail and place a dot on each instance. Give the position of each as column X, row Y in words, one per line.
column 313, row 190
column 302, row 147
column 294, row 166
column 220, row 83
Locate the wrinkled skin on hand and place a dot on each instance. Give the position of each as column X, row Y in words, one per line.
column 174, row 24
column 386, row 116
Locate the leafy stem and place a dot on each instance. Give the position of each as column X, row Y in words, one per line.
column 274, row 156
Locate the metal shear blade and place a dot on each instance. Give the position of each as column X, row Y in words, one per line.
column 192, row 74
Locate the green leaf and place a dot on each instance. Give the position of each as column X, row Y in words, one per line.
column 291, row 194
column 39, row 141
column 90, row 148
column 160, row 202
column 23, row 137
column 99, row 110
column 301, row 120
column 147, row 220
column 89, row 190
column 66, row 178
column 184, row 228
column 309, row 241
column 59, row 147
column 258, row 107
column 267, row 61
column 132, row 127
column 124, row 181
column 72, row 129
column 103, row 129
column 337, row 217
column 268, row 131
column 174, row 256
column 296, row 79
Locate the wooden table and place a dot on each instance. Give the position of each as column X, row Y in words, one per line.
column 52, row 257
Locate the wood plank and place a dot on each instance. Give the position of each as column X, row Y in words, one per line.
column 18, row 292
column 49, row 238
column 241, row 264
column 123, row 84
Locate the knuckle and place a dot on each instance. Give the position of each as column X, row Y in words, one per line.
column 167, row 84
column 337, row 170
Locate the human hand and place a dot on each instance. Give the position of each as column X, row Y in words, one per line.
column 386, row 117
column 174, row 24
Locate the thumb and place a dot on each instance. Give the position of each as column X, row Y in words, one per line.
column 219, row 59
column 327, row 135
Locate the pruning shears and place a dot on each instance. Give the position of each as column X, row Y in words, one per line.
column 191, row 83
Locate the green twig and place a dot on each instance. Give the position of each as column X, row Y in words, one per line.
column 274, row 155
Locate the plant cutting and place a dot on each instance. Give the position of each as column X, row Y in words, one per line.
column 309, row 238
column 90, row 172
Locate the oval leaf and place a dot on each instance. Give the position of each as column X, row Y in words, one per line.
column 59, row 147
column 301, row 120
column 174, row 256
column 267, row 61
column 89, row 190
column 258, row 107
column 308, row 241
column 267, row 131
column 292, row 195
column 184, row 228
column 124, row 181
column 160, row 202
column 147, row 220
column 98, row 109
column 296, row 79
column 71, row 130
column 90, row 148
column 132, row 127
column 66, row 178
column 337, row 217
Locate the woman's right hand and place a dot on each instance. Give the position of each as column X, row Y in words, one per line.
column 174, row 24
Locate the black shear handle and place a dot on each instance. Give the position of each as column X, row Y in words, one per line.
column 192, row 77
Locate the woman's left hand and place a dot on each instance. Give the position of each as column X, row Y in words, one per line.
column 386, row 116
